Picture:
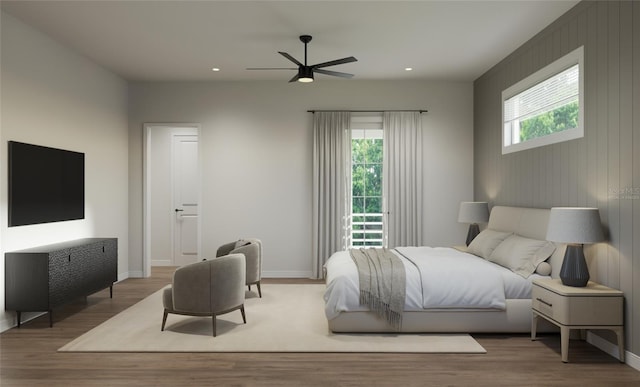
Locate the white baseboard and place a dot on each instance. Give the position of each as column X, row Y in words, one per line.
column 161, row 262
column 286, row 274
column 631, row 359
column 265, row 274
column 131, row 274
column 5, row 324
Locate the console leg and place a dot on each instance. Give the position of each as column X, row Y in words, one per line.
column 111, row 291
column 19, row 315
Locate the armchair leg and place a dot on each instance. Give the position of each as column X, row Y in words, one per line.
column 164, row 320
column 259, row 290
column 244, row 317
column 213, row 317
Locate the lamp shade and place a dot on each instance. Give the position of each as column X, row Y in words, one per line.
column 473, row 212
column 574, row 225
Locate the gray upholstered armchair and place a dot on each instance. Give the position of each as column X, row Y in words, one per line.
column 207, row 288
column 252, row 250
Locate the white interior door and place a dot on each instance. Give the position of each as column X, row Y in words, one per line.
column 185, row 198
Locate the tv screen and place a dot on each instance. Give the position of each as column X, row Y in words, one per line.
column 45, row 184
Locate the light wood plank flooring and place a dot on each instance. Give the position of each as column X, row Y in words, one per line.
column 29, row 357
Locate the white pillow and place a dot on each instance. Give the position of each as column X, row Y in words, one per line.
column 483, row 244
column 522, row 255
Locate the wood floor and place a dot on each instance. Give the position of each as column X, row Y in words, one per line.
column 29, row 357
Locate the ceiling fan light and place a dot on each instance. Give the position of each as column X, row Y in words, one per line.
column 305, row 74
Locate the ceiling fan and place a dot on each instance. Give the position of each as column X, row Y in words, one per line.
column 305, row 73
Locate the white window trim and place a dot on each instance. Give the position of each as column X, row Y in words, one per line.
column 574, row 57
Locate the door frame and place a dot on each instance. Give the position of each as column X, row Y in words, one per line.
column 146, row 201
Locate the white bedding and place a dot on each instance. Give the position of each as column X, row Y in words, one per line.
column 437, row 278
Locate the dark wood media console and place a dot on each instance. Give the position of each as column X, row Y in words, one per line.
column 45, row 277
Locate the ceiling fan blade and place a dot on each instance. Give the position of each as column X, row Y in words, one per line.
column 271, row 68
column 294, row 60
column 295, row 78
column 335, row 62
column 334, row 73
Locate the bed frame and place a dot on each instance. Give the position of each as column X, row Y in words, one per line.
column 516, row 318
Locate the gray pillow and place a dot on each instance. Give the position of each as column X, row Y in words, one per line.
column 522, row 255
column 483, row 244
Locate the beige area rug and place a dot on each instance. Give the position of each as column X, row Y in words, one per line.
column 289, row 318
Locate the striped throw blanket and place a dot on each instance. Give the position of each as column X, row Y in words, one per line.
column 382, row 283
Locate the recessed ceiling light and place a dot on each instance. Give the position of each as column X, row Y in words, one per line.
column 215, row 69
column 408, row 69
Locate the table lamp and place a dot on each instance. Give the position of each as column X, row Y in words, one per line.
column 574, row 226
column 473, row 213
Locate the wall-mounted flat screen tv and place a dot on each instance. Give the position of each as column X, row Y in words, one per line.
column 45, row 184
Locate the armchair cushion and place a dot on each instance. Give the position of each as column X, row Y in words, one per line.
column 207, row 288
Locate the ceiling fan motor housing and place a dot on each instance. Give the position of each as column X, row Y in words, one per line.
column 305, row 74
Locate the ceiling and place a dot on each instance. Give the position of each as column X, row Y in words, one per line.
column 183, row 40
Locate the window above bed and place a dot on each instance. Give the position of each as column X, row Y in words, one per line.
column 546, row 107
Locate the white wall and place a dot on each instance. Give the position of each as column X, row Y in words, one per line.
column 53, row 97
column 257, row 148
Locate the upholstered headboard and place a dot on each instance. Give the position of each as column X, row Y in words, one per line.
column 529, row 223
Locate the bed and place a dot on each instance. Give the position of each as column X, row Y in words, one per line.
column 457, row 289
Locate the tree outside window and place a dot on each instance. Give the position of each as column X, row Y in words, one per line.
column 367, row 218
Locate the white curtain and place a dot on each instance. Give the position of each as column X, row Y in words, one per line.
column 402, row 178
column 331, row 184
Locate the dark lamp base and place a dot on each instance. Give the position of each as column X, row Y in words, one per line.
column 574, row 270
column 474, row 230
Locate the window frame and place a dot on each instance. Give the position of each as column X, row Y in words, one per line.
column 569, row 60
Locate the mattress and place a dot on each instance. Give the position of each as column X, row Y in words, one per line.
column 436, row 278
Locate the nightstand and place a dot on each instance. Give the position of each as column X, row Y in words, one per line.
column 594, row 306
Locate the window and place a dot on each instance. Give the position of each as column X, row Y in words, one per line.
column 546, row 107
column 366, row 222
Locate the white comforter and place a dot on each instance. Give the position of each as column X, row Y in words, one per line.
column 437, row 278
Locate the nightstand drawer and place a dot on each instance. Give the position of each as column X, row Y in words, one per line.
column 577, row 310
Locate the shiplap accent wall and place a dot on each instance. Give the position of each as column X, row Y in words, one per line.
column 600, row 170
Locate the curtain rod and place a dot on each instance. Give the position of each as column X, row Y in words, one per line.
column 367, row 111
